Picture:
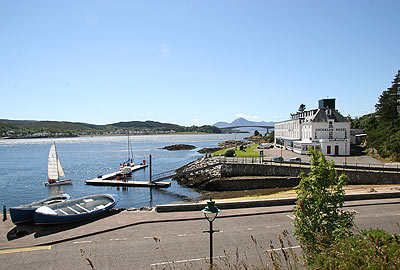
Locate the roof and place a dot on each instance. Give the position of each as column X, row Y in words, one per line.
column 321, row 116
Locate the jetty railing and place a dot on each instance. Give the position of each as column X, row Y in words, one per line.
column 265, row 161
column 172, row 173
column 384, row 167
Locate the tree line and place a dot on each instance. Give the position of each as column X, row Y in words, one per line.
column 383, row 126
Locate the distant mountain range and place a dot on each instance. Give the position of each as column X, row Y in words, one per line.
column 32, row 128
column 244, row 122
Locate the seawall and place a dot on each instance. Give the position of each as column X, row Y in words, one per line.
column 257, row 176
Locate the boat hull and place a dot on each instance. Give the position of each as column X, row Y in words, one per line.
column 21, row 216
column 25, row 213
column 80, row 209
column 59, row 183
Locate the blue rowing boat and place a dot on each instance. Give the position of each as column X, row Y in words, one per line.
column 75, row 210
column 24, row 213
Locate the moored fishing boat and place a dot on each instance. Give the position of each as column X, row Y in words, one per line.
column 55, row 170
column 75, row 210
column 24, row 213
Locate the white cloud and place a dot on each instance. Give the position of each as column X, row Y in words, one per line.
column 251, row 117
column 195, row 120
column 165, row 51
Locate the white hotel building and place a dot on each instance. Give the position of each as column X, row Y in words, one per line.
column 323, row 128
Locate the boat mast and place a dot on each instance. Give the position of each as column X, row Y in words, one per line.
column 55, row 150
column 130, row 153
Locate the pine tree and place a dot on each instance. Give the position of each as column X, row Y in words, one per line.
column 388, row 107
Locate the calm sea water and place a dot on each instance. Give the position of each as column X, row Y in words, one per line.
column 23, row 166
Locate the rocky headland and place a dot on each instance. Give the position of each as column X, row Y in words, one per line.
column 232, row 144
column 199, row 179
column 177, row 147
column 206, row 181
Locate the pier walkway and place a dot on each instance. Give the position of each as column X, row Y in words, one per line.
column 117, row 179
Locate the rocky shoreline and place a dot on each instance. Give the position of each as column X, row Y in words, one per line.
column 201, row 180
column 198, row 180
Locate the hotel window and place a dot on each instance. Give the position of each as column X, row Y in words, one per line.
column 330, row 123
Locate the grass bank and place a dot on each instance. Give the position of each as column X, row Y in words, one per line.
column 248, row 152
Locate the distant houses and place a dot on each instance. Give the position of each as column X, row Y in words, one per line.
column 323, row 128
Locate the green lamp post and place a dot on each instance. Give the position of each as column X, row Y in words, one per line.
column 211, row 212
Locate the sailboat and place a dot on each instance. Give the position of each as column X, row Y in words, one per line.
column 55, row 170
column 126, row 167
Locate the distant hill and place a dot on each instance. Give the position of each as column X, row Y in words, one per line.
column 244, row 122
column 33, row 128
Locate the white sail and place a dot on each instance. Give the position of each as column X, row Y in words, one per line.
column 55, row 169
column 52, row 163
column 59, row 168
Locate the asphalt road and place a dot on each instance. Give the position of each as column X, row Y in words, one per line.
column 184, row 242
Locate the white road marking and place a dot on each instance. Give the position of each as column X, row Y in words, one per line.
column 81, row 242
column 117, row 239
column 185, row 261
column 274, row 226
column 186, row 234
column 278, row 249
column 148, row 237
column 249, row 229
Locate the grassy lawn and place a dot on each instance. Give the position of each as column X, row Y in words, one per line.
column 249, row 152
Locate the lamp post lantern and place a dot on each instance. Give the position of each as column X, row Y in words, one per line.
column 211, row 212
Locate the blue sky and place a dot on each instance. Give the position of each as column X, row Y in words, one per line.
column 193, row 62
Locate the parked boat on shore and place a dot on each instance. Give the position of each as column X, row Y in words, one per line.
column 24, row 213
column 75, row 210
column 55, row 170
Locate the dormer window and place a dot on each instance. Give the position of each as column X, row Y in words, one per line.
column 328, row 112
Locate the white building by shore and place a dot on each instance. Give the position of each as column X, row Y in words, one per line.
column 323, row 128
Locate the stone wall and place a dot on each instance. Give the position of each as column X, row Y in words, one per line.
column 355, row 177
column 234, row 184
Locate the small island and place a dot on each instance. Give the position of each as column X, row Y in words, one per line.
column 176, row 147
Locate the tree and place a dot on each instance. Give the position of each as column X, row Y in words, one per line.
column 302, row 108
column 270, row 137
column 319, row 219
column 388, row 106
column 256, row 133
column 230, row 153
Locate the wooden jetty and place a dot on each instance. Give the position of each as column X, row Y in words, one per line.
column 114, row 175
column 118, row 179
column 126, row 183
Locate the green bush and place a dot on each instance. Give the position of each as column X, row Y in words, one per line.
column 230, row 153
column 319, row 220
column 372, row 249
